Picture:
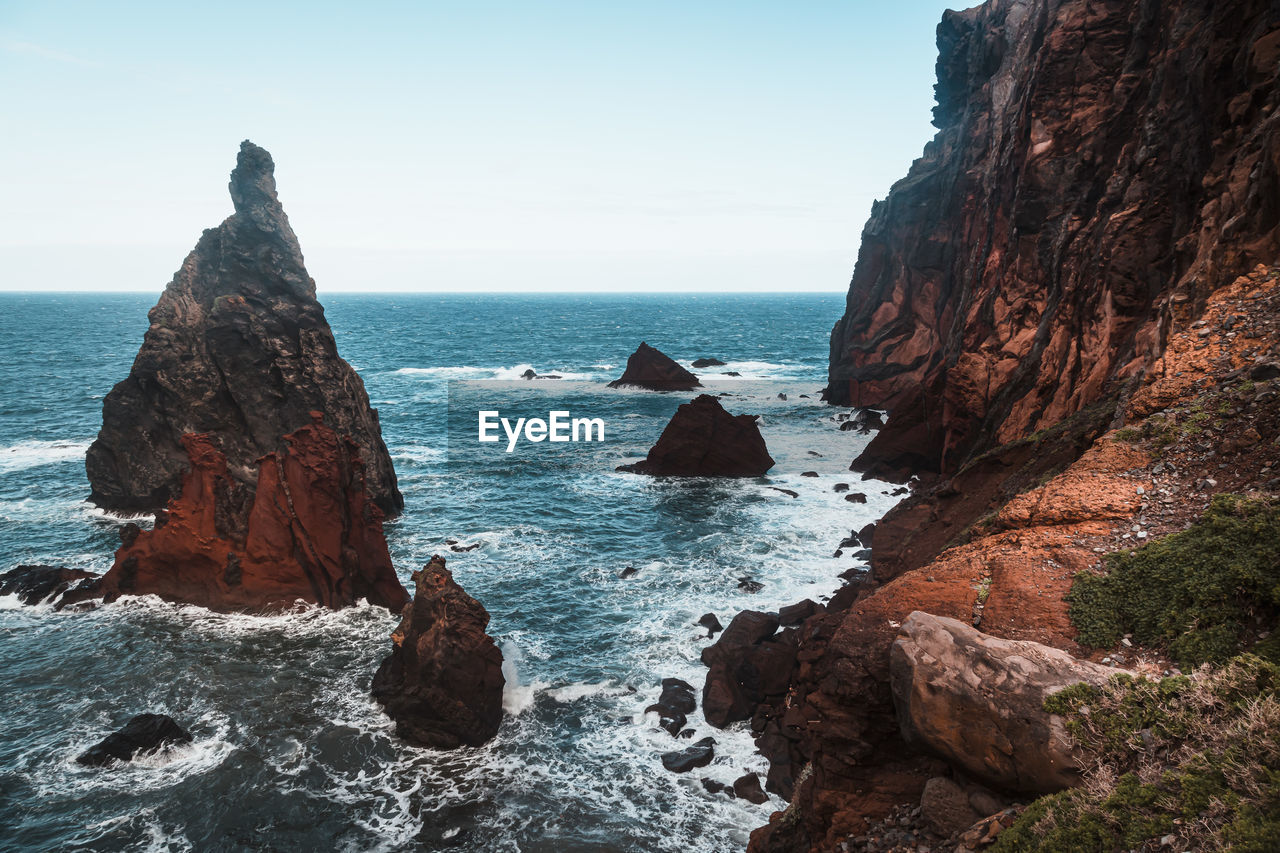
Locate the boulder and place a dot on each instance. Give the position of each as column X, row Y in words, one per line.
column 978, row 701
column 649, row 368
column 708, row 362
column 795, row 614
column 711, row 623
column 748, row 788
column 36, row 584
column 748, row 665
column 945, row 808
column 238, row 349
column 856, row 498
column 690, row 758
column 308, row 532
column 442, row 682
column 145, row 733
column 704, row 440
column 674, row 705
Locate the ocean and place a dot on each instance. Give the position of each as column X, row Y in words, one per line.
column 290, row 751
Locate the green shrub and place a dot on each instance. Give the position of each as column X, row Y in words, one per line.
column 1197, row 591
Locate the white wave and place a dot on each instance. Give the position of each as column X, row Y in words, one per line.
column 35, row 453
column 516, row 697
column 582, row 690
column 500, row 373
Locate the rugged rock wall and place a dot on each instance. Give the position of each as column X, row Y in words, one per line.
column 238, row 349
column 1098, row 164
column 307, row 531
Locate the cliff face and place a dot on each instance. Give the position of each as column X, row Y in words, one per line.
column 1098, row 165
column 308, row 531
column 238, row 349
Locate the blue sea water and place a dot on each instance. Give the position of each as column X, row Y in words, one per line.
column 290, row 752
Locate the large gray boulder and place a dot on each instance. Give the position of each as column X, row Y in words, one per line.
column 978, row 701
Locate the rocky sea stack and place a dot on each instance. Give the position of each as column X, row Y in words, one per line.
column 306, row 532
column 704, row 440
column 652, row 369
column 239, row 350
column 442, row 682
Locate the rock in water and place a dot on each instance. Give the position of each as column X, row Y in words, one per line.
column 684, row 760
column 34, row 584
column 978, row 701
column 307, row 531
column 649, row 368
column 442, row 683
column 144, row 733
column 238, row 349
column 703, row 440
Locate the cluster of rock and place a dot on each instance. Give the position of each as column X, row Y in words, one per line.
column 255, row 446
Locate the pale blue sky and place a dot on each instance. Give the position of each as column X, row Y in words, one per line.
column 463, row 145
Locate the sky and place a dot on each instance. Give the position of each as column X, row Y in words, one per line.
column 463, row 146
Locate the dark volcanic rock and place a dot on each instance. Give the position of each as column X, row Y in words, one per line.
column 442, row 683
column 711, row 623
column 34, row 584
column 144, row 733
column 684, row 760
column 748, row 788
column 676, row 702
column 238, row 349
column 308, row 531
column 747, row 665
column 703, row 440
column 708, row 362
column 1078, row 192
column 649, row 368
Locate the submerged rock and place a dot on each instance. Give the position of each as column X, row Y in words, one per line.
column 649, row 368
column 708, row 362
column 995, row 725
column 674, row 705
column 308, row 532
column 144, row 733
column 442, row 682
column 238, row 349
column 704, row 440
column 36, row 584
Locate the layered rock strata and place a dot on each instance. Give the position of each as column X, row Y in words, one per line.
column 442, row 682
column 238, row 349
column 1097, row 166
column 306, row 531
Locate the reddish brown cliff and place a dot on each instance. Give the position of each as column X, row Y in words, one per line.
column 1097, row 164
column 308, row 531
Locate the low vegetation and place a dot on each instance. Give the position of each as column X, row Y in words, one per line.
column 1203, row 593
column 1183, row 763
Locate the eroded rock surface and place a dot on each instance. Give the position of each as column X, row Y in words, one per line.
column 1096, row 167
column 307, row 531
column 238, row 349
column 442, row 682
column 704, row 440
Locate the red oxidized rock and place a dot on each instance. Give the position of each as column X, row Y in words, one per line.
column 649, row 368
column 309, row 532
column 442, row 682
column 1097, row 165
column 703, row 440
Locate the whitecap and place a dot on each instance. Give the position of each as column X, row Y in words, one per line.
column 34, row 453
